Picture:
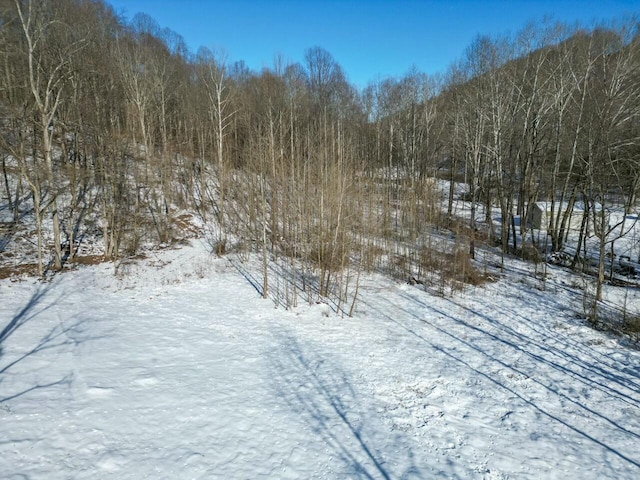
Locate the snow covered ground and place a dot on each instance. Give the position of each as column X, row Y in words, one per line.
column 174, row 367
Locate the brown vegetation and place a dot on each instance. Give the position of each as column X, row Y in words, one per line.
column 109, row 128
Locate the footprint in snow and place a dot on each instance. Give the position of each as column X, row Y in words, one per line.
column 146, row 382
column 98, row 392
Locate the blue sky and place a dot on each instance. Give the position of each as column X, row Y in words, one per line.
column 370, row 39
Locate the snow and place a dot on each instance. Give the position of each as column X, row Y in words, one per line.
column 174, row 367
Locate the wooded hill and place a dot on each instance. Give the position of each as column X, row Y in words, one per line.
column 111, row 128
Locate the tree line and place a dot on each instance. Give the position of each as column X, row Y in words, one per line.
column 110, row 128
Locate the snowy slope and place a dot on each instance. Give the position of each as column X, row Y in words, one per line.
column 175, row 368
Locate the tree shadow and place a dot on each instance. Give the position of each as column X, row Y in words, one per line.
column 247, row 274
column 287, row 280
column 67, row 334
column 66, row 380
column 26, row 313
column 544, row 345
column 513, row 345
column 319, row 391
column 599, row 366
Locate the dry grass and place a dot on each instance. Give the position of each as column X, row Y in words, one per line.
column 631, row 327
column 184, row 224
column 86, row 260
column 16, row 271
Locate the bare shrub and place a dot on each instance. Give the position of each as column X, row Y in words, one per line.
column 631, row 327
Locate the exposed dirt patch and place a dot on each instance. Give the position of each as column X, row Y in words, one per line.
column 184, row 224
column 15, row 271
column 87, row 260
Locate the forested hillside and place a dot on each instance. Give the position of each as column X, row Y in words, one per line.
column 113, row 132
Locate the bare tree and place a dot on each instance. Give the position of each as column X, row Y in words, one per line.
column 50, row 46
column 212, row 72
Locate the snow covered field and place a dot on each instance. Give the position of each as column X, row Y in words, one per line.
column 176, row 368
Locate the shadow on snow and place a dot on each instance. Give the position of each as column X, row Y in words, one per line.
column 60, row 336
column 317, row 390
column 507, row 346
